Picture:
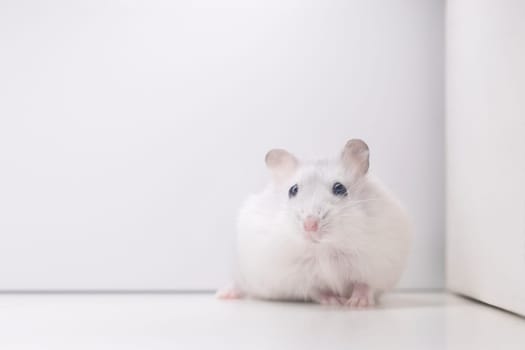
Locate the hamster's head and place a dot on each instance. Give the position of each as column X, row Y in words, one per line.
column 319, row 197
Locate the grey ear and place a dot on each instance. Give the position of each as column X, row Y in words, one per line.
column 355, row 157
column 281, row 163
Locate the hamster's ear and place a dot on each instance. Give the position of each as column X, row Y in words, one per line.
column 355, row 157
column 281, row 163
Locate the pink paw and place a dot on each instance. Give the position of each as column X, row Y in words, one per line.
column 362, row 297
column 229, row 293
column 359, row 302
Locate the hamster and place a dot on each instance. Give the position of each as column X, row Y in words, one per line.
column 325, row 231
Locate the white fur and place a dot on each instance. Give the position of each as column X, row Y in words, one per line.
column 365, row 236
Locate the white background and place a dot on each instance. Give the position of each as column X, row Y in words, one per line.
column 486, row 151
column 130, row 131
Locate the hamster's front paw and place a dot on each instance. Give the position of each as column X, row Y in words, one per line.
column 229, row 293
column 362, row 297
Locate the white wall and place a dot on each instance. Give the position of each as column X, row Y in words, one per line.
column 486, row 151
column 130, row 131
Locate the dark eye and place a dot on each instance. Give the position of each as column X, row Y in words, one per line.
column 292, row 192
column 339, row 189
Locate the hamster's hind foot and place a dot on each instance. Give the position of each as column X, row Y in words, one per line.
column 362, row 297
column 229, row 293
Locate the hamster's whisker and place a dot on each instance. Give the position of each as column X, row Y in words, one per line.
column 356, row 203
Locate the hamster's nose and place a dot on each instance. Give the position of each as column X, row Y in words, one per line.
column 311, row 223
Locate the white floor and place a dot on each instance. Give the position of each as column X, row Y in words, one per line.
column 171, row 321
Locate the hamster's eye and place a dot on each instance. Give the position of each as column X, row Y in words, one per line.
column 338, row 189
column 292, row 192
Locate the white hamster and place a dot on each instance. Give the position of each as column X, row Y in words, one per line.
column 323, row 231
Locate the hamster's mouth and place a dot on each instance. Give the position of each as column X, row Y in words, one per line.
column 313, row 237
